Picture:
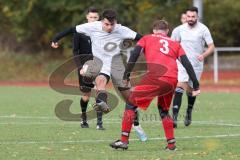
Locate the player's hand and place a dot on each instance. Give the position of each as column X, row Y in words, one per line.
column 84, row 69
column 81, row 72
column 200, row 57
column 196, row 93
column 54, row 45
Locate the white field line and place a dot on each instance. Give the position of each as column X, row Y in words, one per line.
column 26, row 117
column 106, row 121
column 108, row 140
column 116, row 122
column 142, row 119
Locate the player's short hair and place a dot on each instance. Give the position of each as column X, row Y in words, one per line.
column 110, row 15
column 92, row 9
column 193, row 9
column 160, row 25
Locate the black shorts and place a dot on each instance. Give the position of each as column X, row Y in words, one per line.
column 85, row 84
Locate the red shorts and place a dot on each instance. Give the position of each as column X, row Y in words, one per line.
column 149, row 88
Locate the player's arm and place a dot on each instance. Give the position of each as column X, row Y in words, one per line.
column 138, row 37
column 131, row 62
column 127, row 33
column 83, row 28
column 187, row 65
column 208, row 51
column 62, row 34
column 208, row 39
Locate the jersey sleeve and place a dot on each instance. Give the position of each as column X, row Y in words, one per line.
column 127, row 33
column 207, row 36
column 85, row 28
column 176, row 34
column 142, row 42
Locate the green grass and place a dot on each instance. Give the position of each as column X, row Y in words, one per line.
column 30, row 130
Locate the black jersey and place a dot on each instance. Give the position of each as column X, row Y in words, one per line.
column 82, row 47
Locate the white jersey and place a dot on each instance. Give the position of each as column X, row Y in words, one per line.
column 105, row 45
column 193, row 41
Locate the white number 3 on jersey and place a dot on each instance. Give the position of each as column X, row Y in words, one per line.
column 165, row 48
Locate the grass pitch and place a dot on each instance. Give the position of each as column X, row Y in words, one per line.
column 30, row 130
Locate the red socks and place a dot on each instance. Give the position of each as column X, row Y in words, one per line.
column 167, row 123
column 127, row 122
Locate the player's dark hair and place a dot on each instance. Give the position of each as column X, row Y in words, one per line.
column 110, row 15
column 92, row 9
column 160, row 25
column 193, row 9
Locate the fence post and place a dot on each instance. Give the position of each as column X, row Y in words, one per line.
column 215, row 65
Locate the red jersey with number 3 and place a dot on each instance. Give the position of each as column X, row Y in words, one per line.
column 161, row 51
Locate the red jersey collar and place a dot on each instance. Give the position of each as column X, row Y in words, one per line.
column 162, row 34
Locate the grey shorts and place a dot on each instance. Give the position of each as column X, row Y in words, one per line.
column 117, row 72
column 183, row 75
column 92, row 69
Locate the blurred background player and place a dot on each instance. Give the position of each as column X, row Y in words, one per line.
column 183, row 18
column 160, row 80
column 82, row 46
column 192, row 35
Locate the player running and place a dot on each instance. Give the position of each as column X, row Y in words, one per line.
column 192, row 35
column 159, row 81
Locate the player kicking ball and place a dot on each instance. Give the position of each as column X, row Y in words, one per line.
column 159, row 81
column 106, row 36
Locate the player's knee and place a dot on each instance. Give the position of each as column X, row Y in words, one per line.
column 163, row 113
column 179, row 91
column 183, row 85
column 102, row 78
column 86, row 97
column 101, row 82
column 189, row 94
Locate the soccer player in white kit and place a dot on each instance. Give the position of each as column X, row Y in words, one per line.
column 106, row 37
column 192, row 35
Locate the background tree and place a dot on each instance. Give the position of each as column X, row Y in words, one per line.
column 29, row 25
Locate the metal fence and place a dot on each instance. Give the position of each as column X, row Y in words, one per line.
column 215, row 59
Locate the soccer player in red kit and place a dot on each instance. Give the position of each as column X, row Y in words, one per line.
column 160, row 80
